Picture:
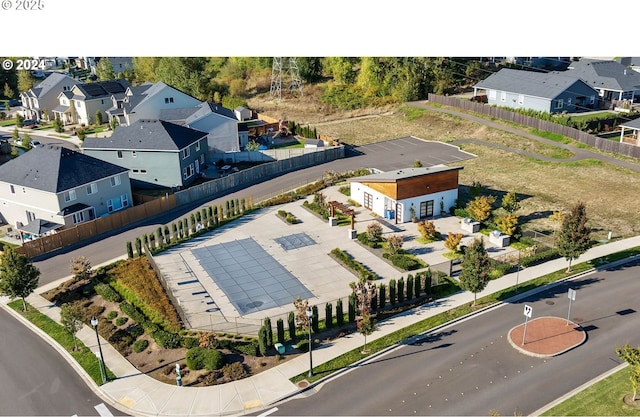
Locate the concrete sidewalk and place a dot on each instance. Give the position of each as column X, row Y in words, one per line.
column 135, row 393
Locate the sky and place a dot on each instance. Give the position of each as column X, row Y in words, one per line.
column 304, row 28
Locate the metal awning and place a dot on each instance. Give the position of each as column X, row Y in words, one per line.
column 39, row 227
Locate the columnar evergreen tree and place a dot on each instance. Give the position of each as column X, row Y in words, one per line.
column 262, row 341
column 410, row 287
column 185, row 227
column 339, row 313
column 291, row 322
column 352, row 308
column 400, row 289
column 215, row 215
column 427, row 281
column 167, row 235
column 221, row 213
column 574, row 236
column 174, row 231
column 194, row 222
column 280, row 330
column 382, row 290
column 18, row 276
column 269, row 329
column 328, row 315
column 138, row 247
column 315, row 321
column 392, row 292
column 160, row 236
column 210, row 216
column 129, row 250
column 476, row 266
column 417, row 287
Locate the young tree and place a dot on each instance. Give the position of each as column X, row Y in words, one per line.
column 58, row 125
column 81, row 268
column 18, row 276
column 394, row 243
column 364, row 291
column 452, row 241
column 480, row 207
column 476, row 188
column 507, row 224
column 632, row 357
column 104, row 70
column 71, row 320
column 302, row 321
column 510, row 202
column 574, row 234
column 556, row 220
column 25, row 81
column 476, row 266
column 98, row 117
column 427, row 229
column 113, row 123
column 374, row 232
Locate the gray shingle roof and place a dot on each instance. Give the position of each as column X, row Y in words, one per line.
column 152, row 135
column 537, row 84
column 609, row 75
column 52, row 81
column 177, row 114
column 633, row 124
column 56, row 169
column 404, row 173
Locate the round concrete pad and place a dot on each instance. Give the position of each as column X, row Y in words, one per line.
column 547, row 336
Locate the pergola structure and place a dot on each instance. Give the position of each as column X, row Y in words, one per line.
column 336, row 205
column 634, row 126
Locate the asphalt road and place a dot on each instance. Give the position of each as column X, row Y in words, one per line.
column 469, row 368
column 36, row 380
column 388, row 155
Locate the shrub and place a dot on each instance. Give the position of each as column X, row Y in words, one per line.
column 112, row 315
column 303, row 345
column 539, row 258
column 140, row 345
column 189, row 342
column 402, row 261
column 210, row 359
column 427, row 229
column 108, row 293
column 121, row 320
column 374, row 232
column 364, row 239
column 235, row 371
column 132, row 312
column 135, row 331
column 166, row 340
column 121, row 340
column 251, row 349
column 460, row 212
column 394, row 243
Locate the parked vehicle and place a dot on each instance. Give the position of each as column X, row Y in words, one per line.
column 36, row 143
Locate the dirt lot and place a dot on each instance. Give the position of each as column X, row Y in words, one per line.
column 544, row 187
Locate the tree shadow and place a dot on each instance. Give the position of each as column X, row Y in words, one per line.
column 556, row 291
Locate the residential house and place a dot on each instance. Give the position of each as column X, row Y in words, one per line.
column 38, row 102
column 88, row 99
column 60, row 187
column 148, row 100
column 612, row 80
column 119, row 64
column 403, row 193
column 156, row 153
column 225, row 132
column 551, row 92
column 117, row 102
column 634, row 127
column 631, row 62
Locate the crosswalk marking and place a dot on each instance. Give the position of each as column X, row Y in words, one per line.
column 103, row 410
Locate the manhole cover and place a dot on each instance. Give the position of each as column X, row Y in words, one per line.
column 550, row 303
column 303, row 384
column 254, row 304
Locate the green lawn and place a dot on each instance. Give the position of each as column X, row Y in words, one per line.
column 84, row 356
column 604, row 398
column 10, row 122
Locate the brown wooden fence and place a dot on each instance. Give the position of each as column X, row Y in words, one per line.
column 97, row 227
column 544, row 125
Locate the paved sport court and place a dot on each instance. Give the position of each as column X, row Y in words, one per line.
column 251, row 278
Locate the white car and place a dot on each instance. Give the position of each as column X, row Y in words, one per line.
column 36, row 143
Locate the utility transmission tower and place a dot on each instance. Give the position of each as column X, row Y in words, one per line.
column 285, row 70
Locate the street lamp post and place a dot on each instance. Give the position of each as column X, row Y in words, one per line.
column 309, row 314
column 103, row 371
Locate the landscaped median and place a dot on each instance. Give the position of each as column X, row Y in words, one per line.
column 347, row 359
column 84, row 356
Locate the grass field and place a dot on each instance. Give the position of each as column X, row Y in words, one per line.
column 604, row 398
column 544, row 187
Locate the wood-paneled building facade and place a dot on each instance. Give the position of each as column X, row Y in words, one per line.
column 393, row 194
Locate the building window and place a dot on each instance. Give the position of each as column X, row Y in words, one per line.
column 78, row 217
column 92, row 188
column 187, row 171
column 186, row 152
column 70, row 195
column 559, row 104
column 592, row 99
column 197, row 146
column 118, row 203
column 168, row 100
column 115, row 181
column 368, row 201
column 13, row 190
column 569, row 101
column 202, row 159
column 119, row 154
column 492, row 94
column 125, row 200
column 503, row 96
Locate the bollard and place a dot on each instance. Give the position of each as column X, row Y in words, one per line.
column 179, row 381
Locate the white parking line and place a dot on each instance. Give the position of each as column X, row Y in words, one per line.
column 103, row 410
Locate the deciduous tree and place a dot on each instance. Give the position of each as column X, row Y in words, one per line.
column 81, row 268
column 452, row 241
column 476, row 266
column 574, row 234
column 480, row 207
column 71, row 319
column 18, row 276
column 510, row 202
column 632, row 357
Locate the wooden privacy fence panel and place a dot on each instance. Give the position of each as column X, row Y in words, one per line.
column 575, row 134
column 96, row 227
